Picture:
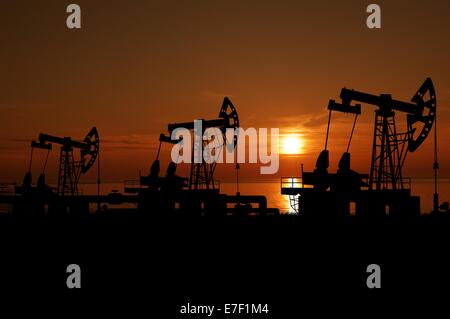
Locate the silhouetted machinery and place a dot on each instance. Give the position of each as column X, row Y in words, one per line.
column 199, row 193
column 70, row 169
column 386, row 191
column 202, row 173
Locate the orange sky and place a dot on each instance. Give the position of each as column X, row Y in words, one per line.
column 136, row 66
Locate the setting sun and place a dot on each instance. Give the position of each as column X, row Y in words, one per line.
column 291, row 144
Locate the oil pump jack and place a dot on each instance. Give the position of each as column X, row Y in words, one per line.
column 389, row 148
column 70, row 169
column 201, row 173
column 200, row 192
column 386, row 191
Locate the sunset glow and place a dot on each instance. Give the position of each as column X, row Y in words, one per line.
column 291, row 145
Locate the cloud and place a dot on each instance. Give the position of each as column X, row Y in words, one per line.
column 123, row 142
column 130, row 142
column 7, row 148
column 310, row 121
column 316, row 120
column 13, row 144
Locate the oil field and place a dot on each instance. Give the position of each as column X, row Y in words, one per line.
column 383, row 194
column 225, row 159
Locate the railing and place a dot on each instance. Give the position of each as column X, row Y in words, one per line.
column 7, row 188
column 407, row 183
column 297, row 182
column 365, row 181
column 202, row 185
column 291, row 182
column 387, row 185
column 136, row 184
column 132, row 183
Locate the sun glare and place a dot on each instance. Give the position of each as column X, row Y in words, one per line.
column 291, row 144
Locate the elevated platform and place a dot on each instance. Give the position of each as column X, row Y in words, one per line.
column 339, row 202
column 291, row 185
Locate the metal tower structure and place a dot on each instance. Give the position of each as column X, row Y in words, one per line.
column 71, row 169
column 201, row 172
column 390, row 147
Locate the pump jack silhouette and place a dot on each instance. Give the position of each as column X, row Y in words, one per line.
column 386, row 191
